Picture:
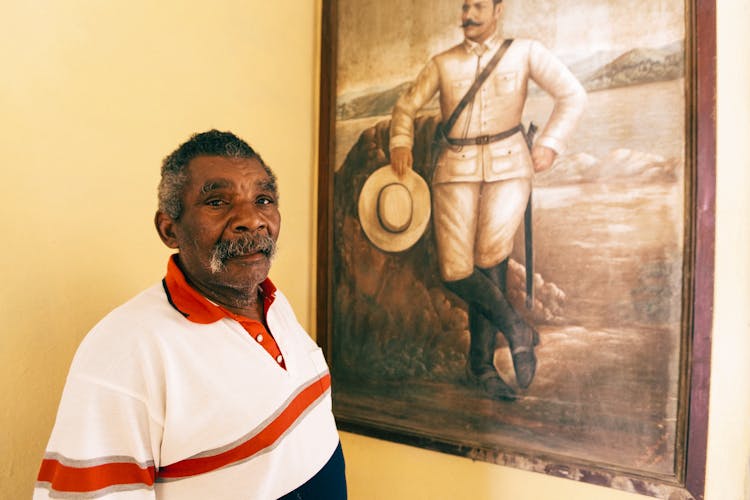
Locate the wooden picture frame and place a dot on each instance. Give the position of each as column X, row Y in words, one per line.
column 382, row 406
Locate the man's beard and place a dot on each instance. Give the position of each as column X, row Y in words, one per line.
column 244, row 245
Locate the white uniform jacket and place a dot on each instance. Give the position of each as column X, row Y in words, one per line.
column 497, row 107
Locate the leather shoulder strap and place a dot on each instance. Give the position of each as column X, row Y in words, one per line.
column 466, row 99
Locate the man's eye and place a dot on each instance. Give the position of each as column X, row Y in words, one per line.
column 265, row 200
column 215, row 203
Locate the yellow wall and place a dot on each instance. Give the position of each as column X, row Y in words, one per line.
column 93, row 94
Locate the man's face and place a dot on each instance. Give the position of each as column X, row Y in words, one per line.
column 228, row 228
column 479, row 19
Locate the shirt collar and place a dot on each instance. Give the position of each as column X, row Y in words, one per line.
column 194, row 306
column 490, row 45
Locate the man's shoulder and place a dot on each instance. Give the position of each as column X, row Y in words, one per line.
column 281, row 307
column 458, row 50
column 524, row 41
column 149, row 302
column 528, row 46
column 145, row 311
column 127, row 336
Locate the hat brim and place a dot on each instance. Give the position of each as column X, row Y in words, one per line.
column 368, row 209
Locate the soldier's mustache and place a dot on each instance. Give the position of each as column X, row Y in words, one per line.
column 244, row 245
column 470, row 22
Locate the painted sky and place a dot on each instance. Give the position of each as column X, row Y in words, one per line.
column 385, row 42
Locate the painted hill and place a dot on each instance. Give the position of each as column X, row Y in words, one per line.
column 639, row 66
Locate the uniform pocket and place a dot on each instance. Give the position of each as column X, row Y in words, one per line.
column 459, row 88
column 509, row 158
column 458, row 164
column 505, row 83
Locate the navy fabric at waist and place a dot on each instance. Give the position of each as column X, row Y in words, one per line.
column 329, row 483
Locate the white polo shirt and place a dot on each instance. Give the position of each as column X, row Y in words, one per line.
column 159, row 405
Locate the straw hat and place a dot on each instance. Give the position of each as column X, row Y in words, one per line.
column 394, row 211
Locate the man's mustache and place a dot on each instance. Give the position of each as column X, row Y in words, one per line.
column 470, row 22
column 244, row 245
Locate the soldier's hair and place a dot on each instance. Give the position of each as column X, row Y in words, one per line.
column 495, row 3
column 174, row 167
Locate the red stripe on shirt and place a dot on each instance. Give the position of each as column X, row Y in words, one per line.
column 66, row 478
column 263, row 439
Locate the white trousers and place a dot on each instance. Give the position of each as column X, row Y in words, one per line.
column 475, row 223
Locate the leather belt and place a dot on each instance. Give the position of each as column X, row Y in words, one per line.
column 484, row 139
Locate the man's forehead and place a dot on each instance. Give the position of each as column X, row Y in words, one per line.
column 216, row 172
column 477, row 3
column 217, row 183
column 204, row 162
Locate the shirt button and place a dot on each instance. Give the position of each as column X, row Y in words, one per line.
column 279, row 359
column 259, row 338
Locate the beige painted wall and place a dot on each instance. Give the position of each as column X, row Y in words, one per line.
column 93, row 94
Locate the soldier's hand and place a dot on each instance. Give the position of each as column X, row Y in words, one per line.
column 401, row 160
column 542, row 157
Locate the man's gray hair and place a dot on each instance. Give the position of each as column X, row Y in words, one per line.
column 174, row 173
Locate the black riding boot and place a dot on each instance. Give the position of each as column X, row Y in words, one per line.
column 481, row 367
column 481, row 292
column 498, row 274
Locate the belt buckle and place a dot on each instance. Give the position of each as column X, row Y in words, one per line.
column 483, row 139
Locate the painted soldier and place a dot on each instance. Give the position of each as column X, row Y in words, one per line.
column 482, row 179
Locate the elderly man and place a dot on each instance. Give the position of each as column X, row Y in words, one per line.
column 204, row 385
column 482, row 179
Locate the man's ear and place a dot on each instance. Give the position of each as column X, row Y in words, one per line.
column 165, row 227
column 499, row 10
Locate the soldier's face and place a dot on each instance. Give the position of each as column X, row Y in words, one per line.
column 479, row 19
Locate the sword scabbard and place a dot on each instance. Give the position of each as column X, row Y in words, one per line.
column 528, row 230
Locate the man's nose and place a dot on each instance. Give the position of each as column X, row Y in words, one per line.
column 247, row 216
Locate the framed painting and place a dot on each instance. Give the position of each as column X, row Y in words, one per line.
column 599, row 354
